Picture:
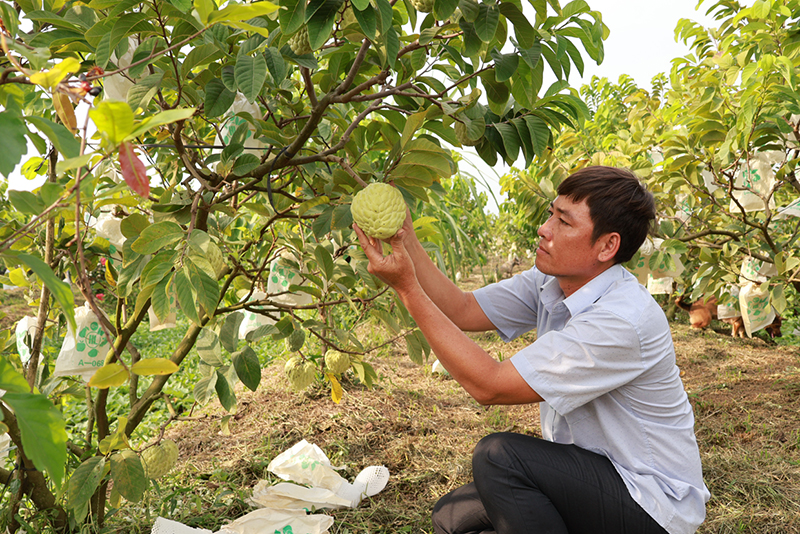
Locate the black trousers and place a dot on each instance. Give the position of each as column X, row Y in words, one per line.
column 526, row 485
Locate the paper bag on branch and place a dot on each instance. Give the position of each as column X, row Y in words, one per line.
column 25, row 331
column 251, row 320
column 757, row 313
column 659, row 286
column 281, row 277
column 663, row 269
column 84, row 350
column 760, row 179
column 170, row 321
column 730, row 311
column 642, row 267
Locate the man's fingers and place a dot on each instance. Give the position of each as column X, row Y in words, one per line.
column 368, row 244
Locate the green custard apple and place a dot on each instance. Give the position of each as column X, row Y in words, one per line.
column 299, row 42
column 160, row 459
column 300, row 372
column 379, row 210
column 423, row 6
column 337, row 362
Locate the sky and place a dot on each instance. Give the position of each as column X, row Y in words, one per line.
column 641, row 44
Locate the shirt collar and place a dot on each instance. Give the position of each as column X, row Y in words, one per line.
column 585, row 296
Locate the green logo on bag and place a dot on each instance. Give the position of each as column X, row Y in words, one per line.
column 92, row 337
column 286, row 530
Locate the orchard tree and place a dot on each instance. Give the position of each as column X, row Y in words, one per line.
column 718, row 143
column 203, row 156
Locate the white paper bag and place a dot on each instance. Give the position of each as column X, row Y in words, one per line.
column 268, row 521
column 288, row 496
column 662, row 270
column 659, row 286
column 281, row 276
column 82, row 353
column 251, row 320
column 757, row 313
column 25, row 331
column 305, row 463
column 731, row 311
column 170, row 321
column 758, row 176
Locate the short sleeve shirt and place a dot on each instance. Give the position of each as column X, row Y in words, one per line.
column 604, row 363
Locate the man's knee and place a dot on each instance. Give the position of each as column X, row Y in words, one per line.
column 490, row 450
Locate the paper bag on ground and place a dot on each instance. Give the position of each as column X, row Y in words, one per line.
column 305, row 463
column 288, row 496
column 267, row 521
column 166, row 526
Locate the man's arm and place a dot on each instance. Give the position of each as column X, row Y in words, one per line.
column 459, row 306
column 487, row 380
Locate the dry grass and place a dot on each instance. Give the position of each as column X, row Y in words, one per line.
column 423, row 428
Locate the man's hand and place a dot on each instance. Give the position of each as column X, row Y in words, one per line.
column 396, row 269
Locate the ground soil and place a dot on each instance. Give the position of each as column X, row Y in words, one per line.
column 423, row 427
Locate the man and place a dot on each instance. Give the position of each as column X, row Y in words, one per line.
column 619, row 453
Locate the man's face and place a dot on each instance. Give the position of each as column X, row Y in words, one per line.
column 566, row 249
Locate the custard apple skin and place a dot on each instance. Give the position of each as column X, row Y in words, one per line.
column 160, row 459
column 379, row 210
column 337, row 362
column 299, row 42
column 301, row 373
column 423, row 6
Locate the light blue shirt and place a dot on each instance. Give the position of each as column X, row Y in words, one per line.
column 604, row 363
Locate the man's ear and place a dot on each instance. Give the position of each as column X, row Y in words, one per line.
column 609, row 246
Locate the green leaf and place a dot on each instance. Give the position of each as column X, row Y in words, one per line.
column 239, row 12
column 128, row 475
column 187, row 296
column 208, row 348
column 59, row 289
column 83, row 483
column 540, row 134
column 292, row 15
column 367, row 21
column 204, row 388
column 160, row 119
column 505, row 65
column 486, row 22
column 206, row 287
column 43, row 432
column 204, row 9
column 14, row 144
column 320, row 16
column 325, row 261
column 225, row 392
column 140, row 95
column 114, row 120
column 442, row 9
column 229, row 333
column 159, row 299
column 511, row 141
column 10, row 379
column 250, row 73
column 276, row 64
column 526, row 35
column 157, row 236
column 26, row 202
column 218, row 98
column 158, row 267
column 247, row 368
column 66, row 143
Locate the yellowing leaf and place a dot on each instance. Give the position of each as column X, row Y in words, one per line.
column 336, row 388
column 65, row 111
column 17, row 277
column 52, row 77
column 154, row 366
column 110, row 375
